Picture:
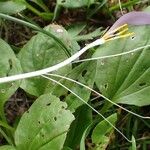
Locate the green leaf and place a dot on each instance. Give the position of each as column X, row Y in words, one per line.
column 133, row 147
column 85, row 133
column 125, row 79
column 41, row 52
column 46, row 16
column 41, row 4
column 101, row 132
column 9, row 65
column 84, row 73
column 12, row 7
column 7, row 147
column 83, row 117
column 89, row 36
column 44, row 126
column 75, row 29
column 87, row 77
column 74, row 3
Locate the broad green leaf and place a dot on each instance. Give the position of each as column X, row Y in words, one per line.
column 89, row 36
column 83, row 119
column 75, row 3
column 100, row 135
column 84, row 73
column 9, row 65
column 125, row 79
column 44, row 126
column 75, row 29
column 12, row 7
column 41, row 52
column 7, row 147
column 87, row 77
column 74, row 74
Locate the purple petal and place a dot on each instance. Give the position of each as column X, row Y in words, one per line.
column 132, row 18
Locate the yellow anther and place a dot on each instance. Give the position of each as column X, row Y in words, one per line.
column 120, row 32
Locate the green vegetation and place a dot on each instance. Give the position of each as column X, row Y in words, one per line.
column 99, row 101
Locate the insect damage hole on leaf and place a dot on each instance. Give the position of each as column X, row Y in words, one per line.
column 62, row 107
column 84, row 72
column 48, row 104
column 63, row 1
column 55, row 118
column 10, row 63
column 142, row 84
column 133, row 37
column 88, row 106
column 106, row 85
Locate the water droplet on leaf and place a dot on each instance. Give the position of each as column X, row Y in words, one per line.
column 59, row 30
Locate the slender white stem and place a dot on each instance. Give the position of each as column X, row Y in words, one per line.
column 87, row 87
column 88, row 106
column 114, row 55
column 52, row 68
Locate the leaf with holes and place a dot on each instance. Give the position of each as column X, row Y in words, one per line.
column 9, row 65
column 84, row 73
column 41, row 52
column 87, row 77
column 44, row 126
column 126, row 79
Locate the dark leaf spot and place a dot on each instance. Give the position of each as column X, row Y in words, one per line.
column 42, row 135
column 55, row 118
column 68, row 92
column 106, row 86
column 48, row 104
column 133, row 37
column 10, row 63
column 62, row 107
column 142, row 84
column 84, row 72
column 62, row 97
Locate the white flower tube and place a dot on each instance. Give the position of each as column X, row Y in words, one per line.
column 120, row 32
column 52, row 68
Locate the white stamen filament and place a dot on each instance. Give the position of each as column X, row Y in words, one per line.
column 110, row 56
column 87, row 87
column 88, row 106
